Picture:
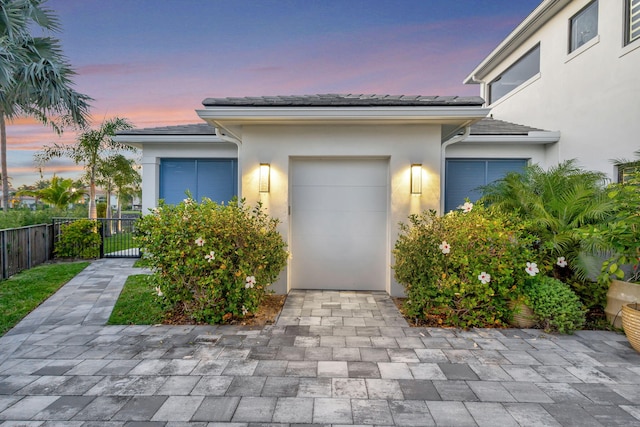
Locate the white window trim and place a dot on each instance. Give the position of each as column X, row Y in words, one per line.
column 522, row 86
column 629, row 48
column 588, row 45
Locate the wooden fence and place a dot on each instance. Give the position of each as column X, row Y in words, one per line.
column 25, row 247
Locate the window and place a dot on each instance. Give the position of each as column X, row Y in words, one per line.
column 583, row 26
column 213, row 178
column 525, row 68
column 464, row 176
column 633, row 21
column 628, row 173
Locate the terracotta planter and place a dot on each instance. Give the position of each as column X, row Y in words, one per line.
column 523, row 316
column 631, row 324
column 619, row 294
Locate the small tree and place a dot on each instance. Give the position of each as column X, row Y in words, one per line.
column 60, row 193
column 91, row 148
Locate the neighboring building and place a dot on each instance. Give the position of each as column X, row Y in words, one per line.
column 571, row 66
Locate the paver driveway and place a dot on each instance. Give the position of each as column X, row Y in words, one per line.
column 333, row 358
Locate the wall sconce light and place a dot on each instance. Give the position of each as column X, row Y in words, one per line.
column 265, row 172
column 416, row 179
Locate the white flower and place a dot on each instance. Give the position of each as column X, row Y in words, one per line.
column 159, row 291
column 200, row 241
column 244, row 310
column 188, row 201
column 467, row 207
column 532, row 269
column 251, row 281
column 210, row 256
column 561, row 262
column 484, row 277
column 444, row 247
column 156, row 211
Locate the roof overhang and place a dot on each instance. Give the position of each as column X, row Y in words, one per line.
column 231, row 119
column 138, row 140
column 536, row 19
column 534, row 138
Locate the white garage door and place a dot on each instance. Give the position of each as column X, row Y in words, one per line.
column 339, row 223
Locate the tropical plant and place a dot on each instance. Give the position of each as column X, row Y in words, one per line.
column 61, row 193
column 212, row 262
column 117, row 173
column 35, row 77
column 463, row 269
column 620, row 236
column 90, row 150
column 558, row 204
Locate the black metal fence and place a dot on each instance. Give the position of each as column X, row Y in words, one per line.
column 25, row 247
column 116, row 236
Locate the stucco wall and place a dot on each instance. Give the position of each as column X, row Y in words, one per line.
column 590, row 95
column 403, row 145
column 535, row 153
column 153, row 152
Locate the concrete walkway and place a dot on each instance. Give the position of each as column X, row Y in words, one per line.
column 333, row 358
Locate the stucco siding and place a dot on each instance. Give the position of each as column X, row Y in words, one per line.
column 403, row 145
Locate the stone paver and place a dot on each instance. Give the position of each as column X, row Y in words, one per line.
column 333, row 358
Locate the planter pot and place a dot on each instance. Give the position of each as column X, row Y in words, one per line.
column 619, row 294
column 631, row 324
column 523, row 316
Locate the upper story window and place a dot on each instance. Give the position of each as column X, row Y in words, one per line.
column 525, row 68
column 583, row 26
column 633, row 20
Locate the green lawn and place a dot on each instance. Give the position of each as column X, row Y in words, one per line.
column 119, row 242
column 137, row 304
column 21, row 293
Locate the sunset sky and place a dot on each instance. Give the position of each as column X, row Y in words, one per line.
column 154, row 61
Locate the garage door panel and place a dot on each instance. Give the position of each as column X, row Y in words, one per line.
column 343, row 199
column 357, row 173
column 329, row 223
column 339, row 224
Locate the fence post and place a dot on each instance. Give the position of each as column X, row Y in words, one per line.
column 5, row 254
column 101, row 231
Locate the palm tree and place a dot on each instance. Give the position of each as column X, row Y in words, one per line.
column 90, row 150
column 61, row 193
column 559, row 204
column 35, row 77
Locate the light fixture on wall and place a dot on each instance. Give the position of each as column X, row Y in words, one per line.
column 416, row 178
column 265, row 172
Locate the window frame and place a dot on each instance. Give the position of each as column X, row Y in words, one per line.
column 593, row 4
column 628, row 6
column 519, row 61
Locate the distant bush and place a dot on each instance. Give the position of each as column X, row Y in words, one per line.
column 211, row 261
column 22, row 217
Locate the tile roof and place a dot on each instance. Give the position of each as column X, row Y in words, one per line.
column 345, row 100
column 486, row 126
column 190, row 129
column 491, row 126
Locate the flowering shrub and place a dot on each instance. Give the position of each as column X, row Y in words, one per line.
column 464, row 267
column 211, row 261
column 556, row 307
